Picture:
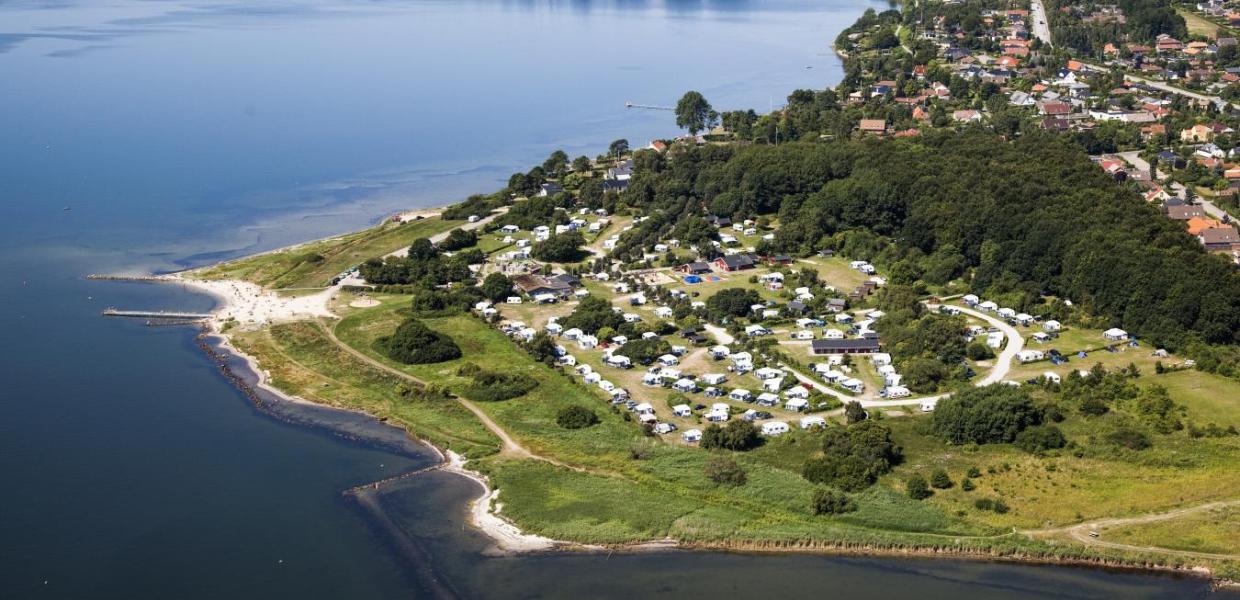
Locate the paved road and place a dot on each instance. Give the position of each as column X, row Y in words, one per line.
column 721, row 334
column 1041, row 27
column 1214, row 211
column 1003, row 365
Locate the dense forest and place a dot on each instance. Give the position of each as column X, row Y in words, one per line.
column 1026, row 219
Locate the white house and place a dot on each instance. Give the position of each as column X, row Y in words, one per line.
column 1115, row 334
column 692, row 436
column 773, row 428
column 756, row 330
column 796, row 391
column 1051, row 325
column 768, row 373
column 994, row 339
column 714, row 378
column 1030, row 355
column 682, row 410
column 740, row 395
column 797, row 404
column 812, row 421
column 685, row 385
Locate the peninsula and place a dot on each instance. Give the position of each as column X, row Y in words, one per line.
column 950, row 306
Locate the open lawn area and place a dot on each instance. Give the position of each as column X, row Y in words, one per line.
column 315, row 263
column 1199, row 25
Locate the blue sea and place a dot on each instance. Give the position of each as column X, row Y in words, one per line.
column 152, row 135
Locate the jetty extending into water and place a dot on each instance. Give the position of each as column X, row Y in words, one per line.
column 106, row 277
column 154, row 314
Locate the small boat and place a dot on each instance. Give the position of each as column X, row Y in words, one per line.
column 67, row 208
column 808, row 67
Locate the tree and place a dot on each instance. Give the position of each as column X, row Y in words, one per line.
column 422, row 249
column 732, row 302
column 618, row 148
column 458, row 239
column 497, row 287
column 575, row 416
column 414, row 343
column 724, row 471
column 979, row 351
column 939, row 479
column 854, row 412
column 694, row 113
column 917, row 488
column 581, row 164
column 562, row 247
column 592, row 315
column 831, row 502
column 645, row 350
column 853, row 457
column 736, row 435
column 991, row 414
column 1129, row 438
column 555, row 163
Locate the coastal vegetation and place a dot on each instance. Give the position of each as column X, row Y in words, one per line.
column 414, row 343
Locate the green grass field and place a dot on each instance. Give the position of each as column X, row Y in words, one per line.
column 1215, row 531
column 614, row 498
column 304, row 362
column 315, row 263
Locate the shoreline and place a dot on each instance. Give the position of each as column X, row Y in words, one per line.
column 508, row 539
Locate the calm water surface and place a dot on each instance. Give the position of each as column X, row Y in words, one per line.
column 181, row 132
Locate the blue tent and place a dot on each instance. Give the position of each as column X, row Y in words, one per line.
column 693, row 279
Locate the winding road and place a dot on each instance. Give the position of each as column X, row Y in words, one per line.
column 1003, row 365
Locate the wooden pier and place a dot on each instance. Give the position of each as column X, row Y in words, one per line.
column 154, row 314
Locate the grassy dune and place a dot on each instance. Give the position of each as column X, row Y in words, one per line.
column 315, row 263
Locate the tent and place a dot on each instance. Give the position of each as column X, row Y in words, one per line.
column 693, row 279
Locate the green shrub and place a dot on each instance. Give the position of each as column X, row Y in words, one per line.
column 490, row 386
column 831, row 502
column 575, row 416
column 917, row 488
column 414, row 343
column 737, row 435
column 1036, row 440
column 939, row 480
column 1127, row 437
column 724, row 471
column 986, row 415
